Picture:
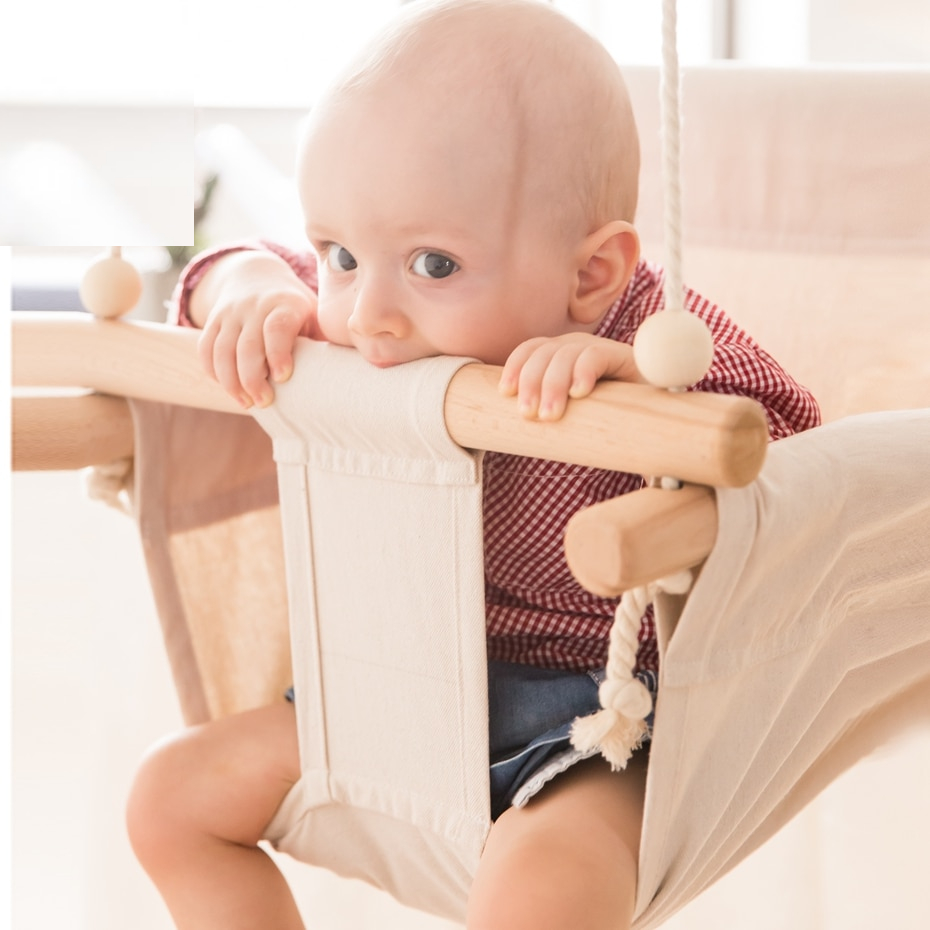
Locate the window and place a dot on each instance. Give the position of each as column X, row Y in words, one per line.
column 278, row 52
column 106, row 98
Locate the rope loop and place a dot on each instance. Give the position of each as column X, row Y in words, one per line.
column 620, row 726
column 111, row 484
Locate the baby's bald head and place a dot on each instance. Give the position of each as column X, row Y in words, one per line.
column 512, row 87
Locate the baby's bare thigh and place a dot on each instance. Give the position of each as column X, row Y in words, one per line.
column 569, row 858
column 233, row 773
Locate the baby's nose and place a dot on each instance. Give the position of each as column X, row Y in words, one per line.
column 377, row 312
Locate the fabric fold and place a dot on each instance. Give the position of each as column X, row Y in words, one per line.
column 808, row 620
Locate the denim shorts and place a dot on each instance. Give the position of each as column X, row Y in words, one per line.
column 531, row 712
column 531, row 715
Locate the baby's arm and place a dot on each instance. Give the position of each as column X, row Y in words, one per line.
column 545, row 372
column 251, row 306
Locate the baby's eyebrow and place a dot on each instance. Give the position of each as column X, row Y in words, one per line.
column 319, row 234
column 433, row 230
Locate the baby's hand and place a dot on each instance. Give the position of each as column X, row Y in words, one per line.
column 258, row 309
column 545, row 372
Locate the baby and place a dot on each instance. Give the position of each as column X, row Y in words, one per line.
column 469, row 186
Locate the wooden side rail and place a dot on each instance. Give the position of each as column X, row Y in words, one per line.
column 639, row 537
column 610, row 547
column 703, row 438
column 70, row 432
column 151, row 361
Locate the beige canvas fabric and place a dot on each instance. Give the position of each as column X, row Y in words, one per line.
column 806, row 213
column 384, row 550
column 810, row 621
column 206, row 500
column 806, row 217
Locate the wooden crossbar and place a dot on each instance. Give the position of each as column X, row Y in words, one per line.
column 703, row 439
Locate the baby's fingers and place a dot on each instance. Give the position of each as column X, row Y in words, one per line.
column 205, row 347
column 545, row 380
column 539, row 372
column 588, row 368
column 510, row 375
column 537, row 383
column 280, row 331
column 556, row 382
column 603, row 359
column 252, row 366
column 220, row 355
column 572, row 372
column 216, row 349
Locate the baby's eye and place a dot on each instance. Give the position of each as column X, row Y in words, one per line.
column 434, row 265
column 340, row 259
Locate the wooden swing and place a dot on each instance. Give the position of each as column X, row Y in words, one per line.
column 754, row 717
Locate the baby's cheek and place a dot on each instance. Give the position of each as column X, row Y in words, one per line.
column 333, row 320
column 490, row 340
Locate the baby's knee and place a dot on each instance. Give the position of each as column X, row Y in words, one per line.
column 221, row 781
column 159, row 803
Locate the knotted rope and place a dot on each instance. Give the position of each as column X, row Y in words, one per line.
column 619, row 727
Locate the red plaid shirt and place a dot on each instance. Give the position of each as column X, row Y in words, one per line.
column 537, row 613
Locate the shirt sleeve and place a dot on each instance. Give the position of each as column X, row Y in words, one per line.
column 302, row 263
column 742, row 367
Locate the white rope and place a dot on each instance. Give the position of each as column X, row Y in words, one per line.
column 111, row 484
column 619, row 727
column 671, row 158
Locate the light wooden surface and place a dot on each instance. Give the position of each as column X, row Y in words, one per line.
column 62, row 433
column 610, row 547
column 702, row 438
column 634, row 539
column 119, row 357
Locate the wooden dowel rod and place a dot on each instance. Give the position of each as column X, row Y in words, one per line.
column 124, row 358
column 66, row 433
column 703, row 438
column 610, row 547
column 634, row 539
column 709, row 439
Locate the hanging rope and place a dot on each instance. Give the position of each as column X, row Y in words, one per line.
column 671, row 158
column 673, row 349
column 619, row 727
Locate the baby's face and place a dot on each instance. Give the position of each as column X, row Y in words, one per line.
column 428, row 244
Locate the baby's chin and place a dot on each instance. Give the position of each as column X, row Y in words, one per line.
column 388, row 359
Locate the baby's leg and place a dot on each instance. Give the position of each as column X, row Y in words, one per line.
column 568, row 860
column 199, row 805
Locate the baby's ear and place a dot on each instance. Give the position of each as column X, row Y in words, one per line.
column 606, row 260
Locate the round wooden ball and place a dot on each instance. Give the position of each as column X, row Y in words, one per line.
column 673, row 349
column 111, row 287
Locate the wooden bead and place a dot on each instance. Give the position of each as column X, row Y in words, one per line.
column 111, row 287
column 673, row 349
